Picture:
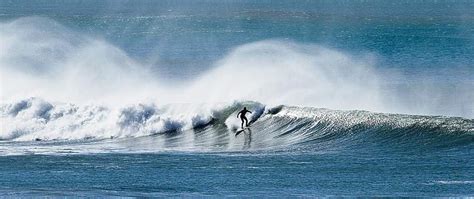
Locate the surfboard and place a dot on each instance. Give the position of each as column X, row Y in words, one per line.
column 241, row 130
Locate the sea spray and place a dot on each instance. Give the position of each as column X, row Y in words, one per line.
column 41, row 58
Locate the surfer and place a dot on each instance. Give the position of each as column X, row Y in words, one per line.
column 242, row 116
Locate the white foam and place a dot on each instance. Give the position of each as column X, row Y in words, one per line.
column 455, row 182
column 34, row 119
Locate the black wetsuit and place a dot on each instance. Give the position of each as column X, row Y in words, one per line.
column 243, row 118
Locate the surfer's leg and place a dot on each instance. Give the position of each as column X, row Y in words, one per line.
column 246, row 122
column 242, row 124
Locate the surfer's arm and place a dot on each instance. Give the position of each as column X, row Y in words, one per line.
column 238, row 115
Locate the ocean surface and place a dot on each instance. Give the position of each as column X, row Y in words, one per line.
column 105, row 98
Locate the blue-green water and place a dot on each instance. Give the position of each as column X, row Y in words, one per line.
column 243, row 174
column 138, row 98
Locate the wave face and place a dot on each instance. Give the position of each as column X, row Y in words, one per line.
column 204, row 127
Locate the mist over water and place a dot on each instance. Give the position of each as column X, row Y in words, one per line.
column 42, row 58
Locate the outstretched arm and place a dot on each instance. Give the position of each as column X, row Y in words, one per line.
column 238, row 115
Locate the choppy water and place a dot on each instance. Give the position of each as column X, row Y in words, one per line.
column 139, row 98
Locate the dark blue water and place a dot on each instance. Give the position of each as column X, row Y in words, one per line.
column 243, row 174
column 422, row 50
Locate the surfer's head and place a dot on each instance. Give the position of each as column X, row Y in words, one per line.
column 245, row 108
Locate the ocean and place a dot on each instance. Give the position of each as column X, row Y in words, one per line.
column 120, row 98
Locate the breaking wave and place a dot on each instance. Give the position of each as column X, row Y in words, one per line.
column 207, row 127
column 37, row 119
column 85, row 90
